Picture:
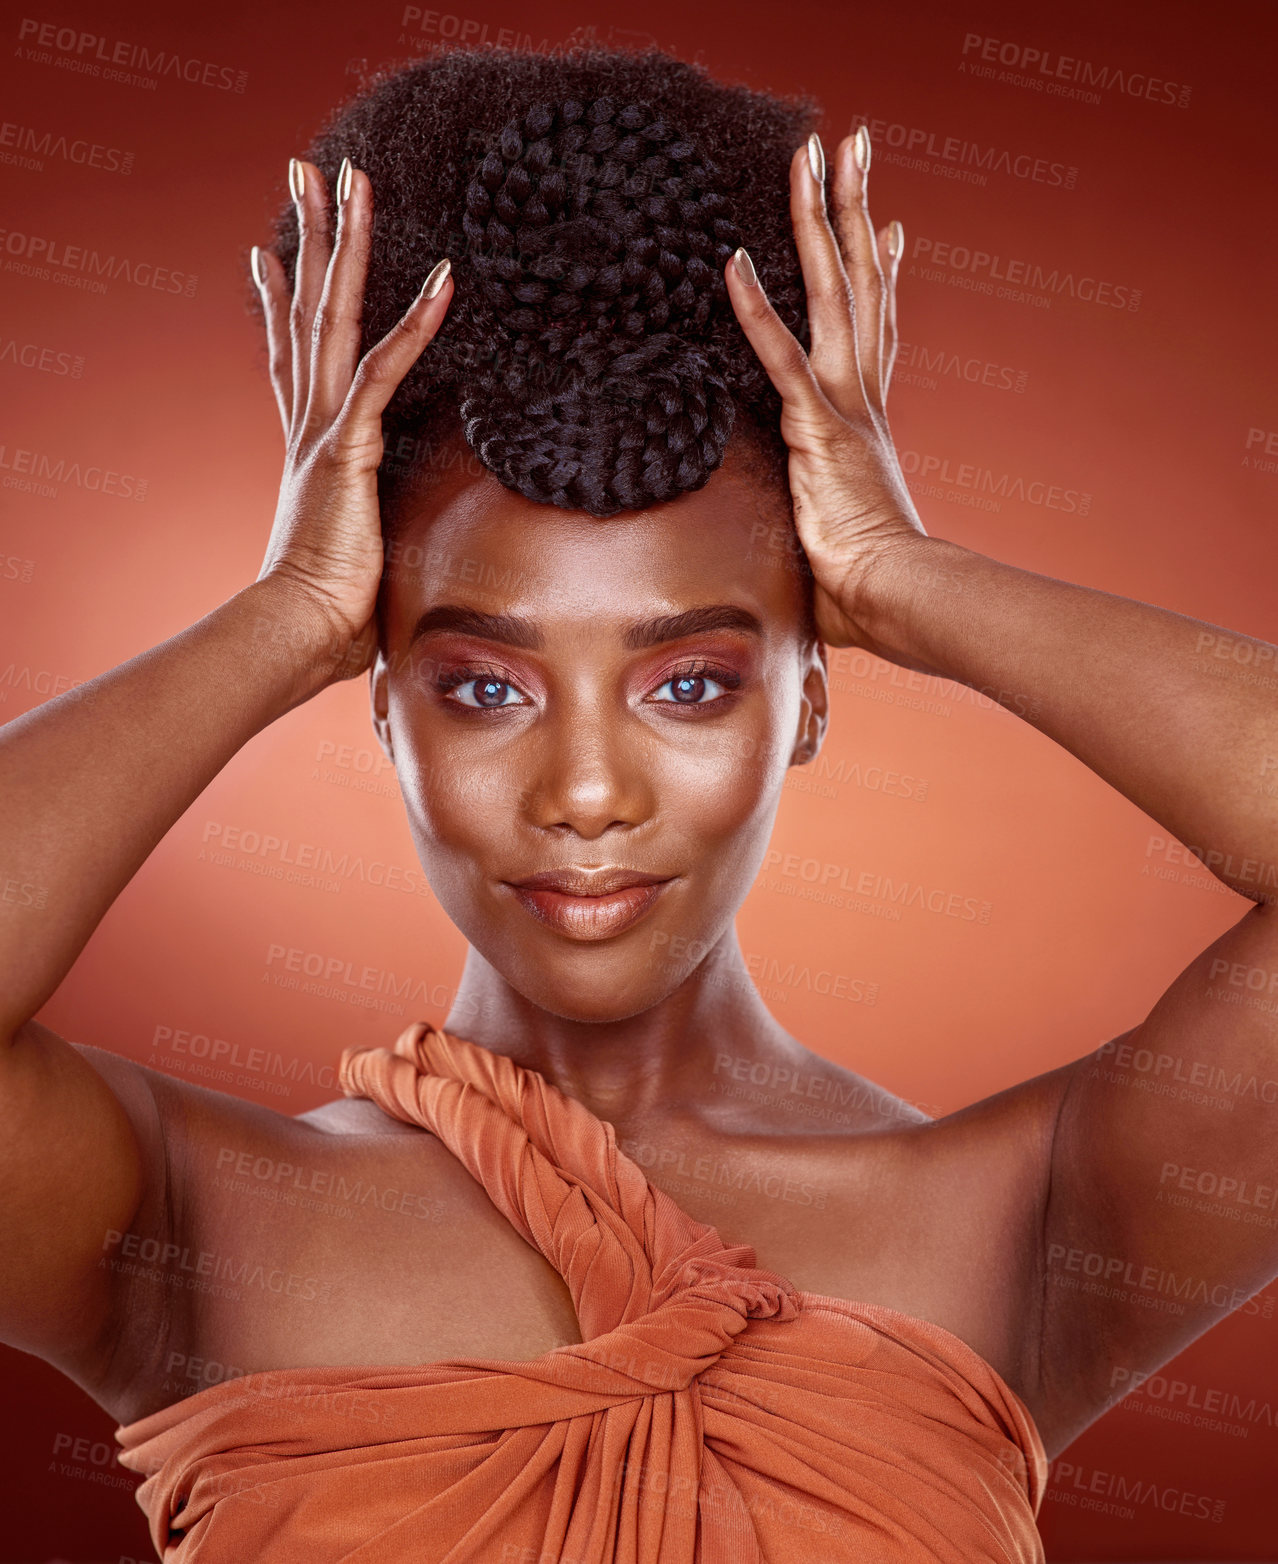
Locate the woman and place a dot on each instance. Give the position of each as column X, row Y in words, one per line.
column 588, row 509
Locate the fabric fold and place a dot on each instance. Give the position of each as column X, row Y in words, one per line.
column 712, row 1411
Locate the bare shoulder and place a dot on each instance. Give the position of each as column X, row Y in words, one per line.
column 941, row 1218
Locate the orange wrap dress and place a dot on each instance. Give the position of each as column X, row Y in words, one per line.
column 713, row 1412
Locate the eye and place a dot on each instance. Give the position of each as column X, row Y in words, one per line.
column 696, row 687
column 483, row 692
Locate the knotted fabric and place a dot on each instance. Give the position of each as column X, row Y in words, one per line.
column 712, row 1411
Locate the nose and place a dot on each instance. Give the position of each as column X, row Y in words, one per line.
column 591, row 773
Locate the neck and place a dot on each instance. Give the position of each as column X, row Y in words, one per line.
column 657, row 1063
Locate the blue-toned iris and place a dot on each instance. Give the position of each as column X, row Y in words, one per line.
column 486, row 692
column 690, row 689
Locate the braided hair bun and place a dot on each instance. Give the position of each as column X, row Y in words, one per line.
column 598, row 239
column 590, row 356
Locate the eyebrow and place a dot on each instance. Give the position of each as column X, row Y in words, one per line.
column 510, row 630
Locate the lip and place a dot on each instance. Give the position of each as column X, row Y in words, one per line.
column 590, row 904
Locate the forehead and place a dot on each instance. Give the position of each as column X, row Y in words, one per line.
column 471, row 540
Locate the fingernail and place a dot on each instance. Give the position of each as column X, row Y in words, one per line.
column 896, row 239
column 816, row 159
column 745, row 268
column 436, row 280
column 296, row 179
column 259, row 271
column 861, row 149
column 344, row 181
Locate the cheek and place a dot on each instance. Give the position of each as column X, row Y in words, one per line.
column 725, row 784
column 455, row 800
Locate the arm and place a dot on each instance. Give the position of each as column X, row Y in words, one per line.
column 91, row 781
column 1161, row 1212
column 1134, row 691
column 1162, row 1207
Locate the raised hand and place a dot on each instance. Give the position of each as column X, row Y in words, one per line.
column 851, row 503
column 325, row 548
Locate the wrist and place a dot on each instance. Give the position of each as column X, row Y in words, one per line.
column 291, row 631
column 896, row 581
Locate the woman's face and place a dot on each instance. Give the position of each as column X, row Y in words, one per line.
column 591, row 721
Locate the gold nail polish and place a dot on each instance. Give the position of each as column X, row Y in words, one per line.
column 816, row 158
column 259, row 271
column 861, row 149
column 437, row 278
column 344, row 175
column 745, row 267
column 896, row 239
column 296, row 179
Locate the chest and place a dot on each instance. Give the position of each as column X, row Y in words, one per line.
column 299, row 1250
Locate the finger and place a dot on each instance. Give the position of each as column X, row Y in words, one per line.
column 860, row 254
column 268, row 274
column 386, row 363
column 310, row 196
column 891, row 246
column 779, row 352
column 829, row 293
column 335, row 328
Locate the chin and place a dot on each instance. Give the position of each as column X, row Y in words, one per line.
column 591, row 998
column 591, row 982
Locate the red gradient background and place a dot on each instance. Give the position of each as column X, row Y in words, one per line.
column 1148, row 411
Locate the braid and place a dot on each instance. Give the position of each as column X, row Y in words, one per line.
column 597, row 239
column 590, row 348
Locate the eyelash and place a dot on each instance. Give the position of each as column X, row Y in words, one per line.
column 457, row 678
column 702, row 670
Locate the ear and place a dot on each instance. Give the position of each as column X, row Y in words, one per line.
column 379, row 699
column 814, row 709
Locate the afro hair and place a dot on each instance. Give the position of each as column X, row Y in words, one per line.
column 588, row 200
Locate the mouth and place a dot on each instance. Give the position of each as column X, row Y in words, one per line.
column 590, row 904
